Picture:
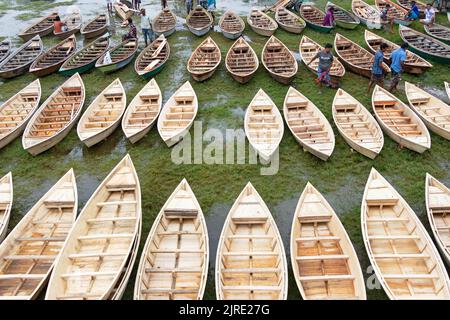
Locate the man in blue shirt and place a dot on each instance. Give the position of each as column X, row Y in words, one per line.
column 413, row 13
column 378, row 68
column 398, row 58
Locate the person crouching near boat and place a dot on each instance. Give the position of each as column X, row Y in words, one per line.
column 413, row 13
column 58, row 25
column 147, row 29
column 132, row 34
column 386, row 19
column 398, row 58
column 430, row 15
column 378, row 68
column 328, row 20
column 325, row 62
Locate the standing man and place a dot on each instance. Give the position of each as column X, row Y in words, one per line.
column 203, row 3
column 109, row 6
column 211, row 8
column 398, row 58
column 430, row 15
column 164, row 4
column 325, row 62
column 146, row 27
column 188, row 6
column 328, row 20
column 378, row 68
column 386, row 18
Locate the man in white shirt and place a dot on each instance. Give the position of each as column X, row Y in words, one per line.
column 429, row 15
column 146, row 27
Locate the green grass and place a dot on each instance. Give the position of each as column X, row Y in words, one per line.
column 341, row 179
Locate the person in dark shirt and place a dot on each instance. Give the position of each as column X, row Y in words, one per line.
column 378, row 68
column 413, row 13
column 387, row 18
column 328, row 20
column 132, row 34
column 325, row 62
column 398, row 58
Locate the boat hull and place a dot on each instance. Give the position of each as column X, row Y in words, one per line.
column 296, row 30
column 80, row 70
column 199, row 32
column 203, row 76
column 152, row 73
column 165, row 33
column 243, row 79
column 231, row 36
column 262, row 32
column 64, row 35
column 347, row 25
column 95, row 33
column 318, row 28
column 49, row 70
column 427, row 55
column 93, row 140
column 363, row 72
column 43, row 33
column 11, row 137
column 141, row 134
column 16, row 72
column 115, row 66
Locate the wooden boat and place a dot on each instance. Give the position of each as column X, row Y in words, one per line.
column 324, row 262
column 314, row 17
column 308, row 125
column 343, row 18
column 6, row 201
column 204, row 60
column 231, row 25
column 447, row 88
column 251, row 261
column 17, row 111
column 433, row 112
column 241, row 61
column 399, row 122
column 29, row 252
column 5, row 49
column 103, row 115
column 356, row 125
column 123, row 11
column 261, row 23
column 406, row 4
column 354, row 57
column 164, row 23
column 263, row 125
column 367, row 14
column 402, row 253
column 55, row 117
column 120, row 56
column 51, row 60
column 308, row 49
column 414, row 63
column 100, row 244
column 439, row 32
column 178, row 114
column 85, row 59
column 19, row 61
column 397, row 12
column 174, row 262
column 279, row 61
column 199, row 21
column 142, row 112
column 73, row 24
column 437, row 199
column 96, row 26
column 289, row 21
column 426, row 46
column 279, row 4
column 153, row 58
column 42, row 28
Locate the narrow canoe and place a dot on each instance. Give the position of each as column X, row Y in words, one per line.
column 356, row 125
column 433, row 111
column 263, row 125
column 342, row 17
column 250, row 261
column 308, row 125
column 96, row 26
column 437, row 199
column 324, row 261
column 6, row 201
column 399, row 122
column 19, row 61
column 406, row 4
column 426, row 46
column 289, row 21
column 17, row 111
column 153, row 58
column 439, row 32
column 308, row 49
column 231, row 25
column 354, row 57
column 142, row 112
column 314, row 17
column 400, row 250
column 241, row 61
column 5, row 49
column 397, row 12
column 204, row 60
column 175, row 259
column 98, row 248
column 55, row 117
column 117, row 57
column 178, row 114
column 103, row 115
column 261, row 23
column 30, row 250
column 73, row 24
column 279, row 61
column 447, row 88
column 51, row 60
column 164, row 23
column 367, row 14
column 42, row 27
column 123, row 11
column 85, row 59
column 199, row 21
column 414, row 63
